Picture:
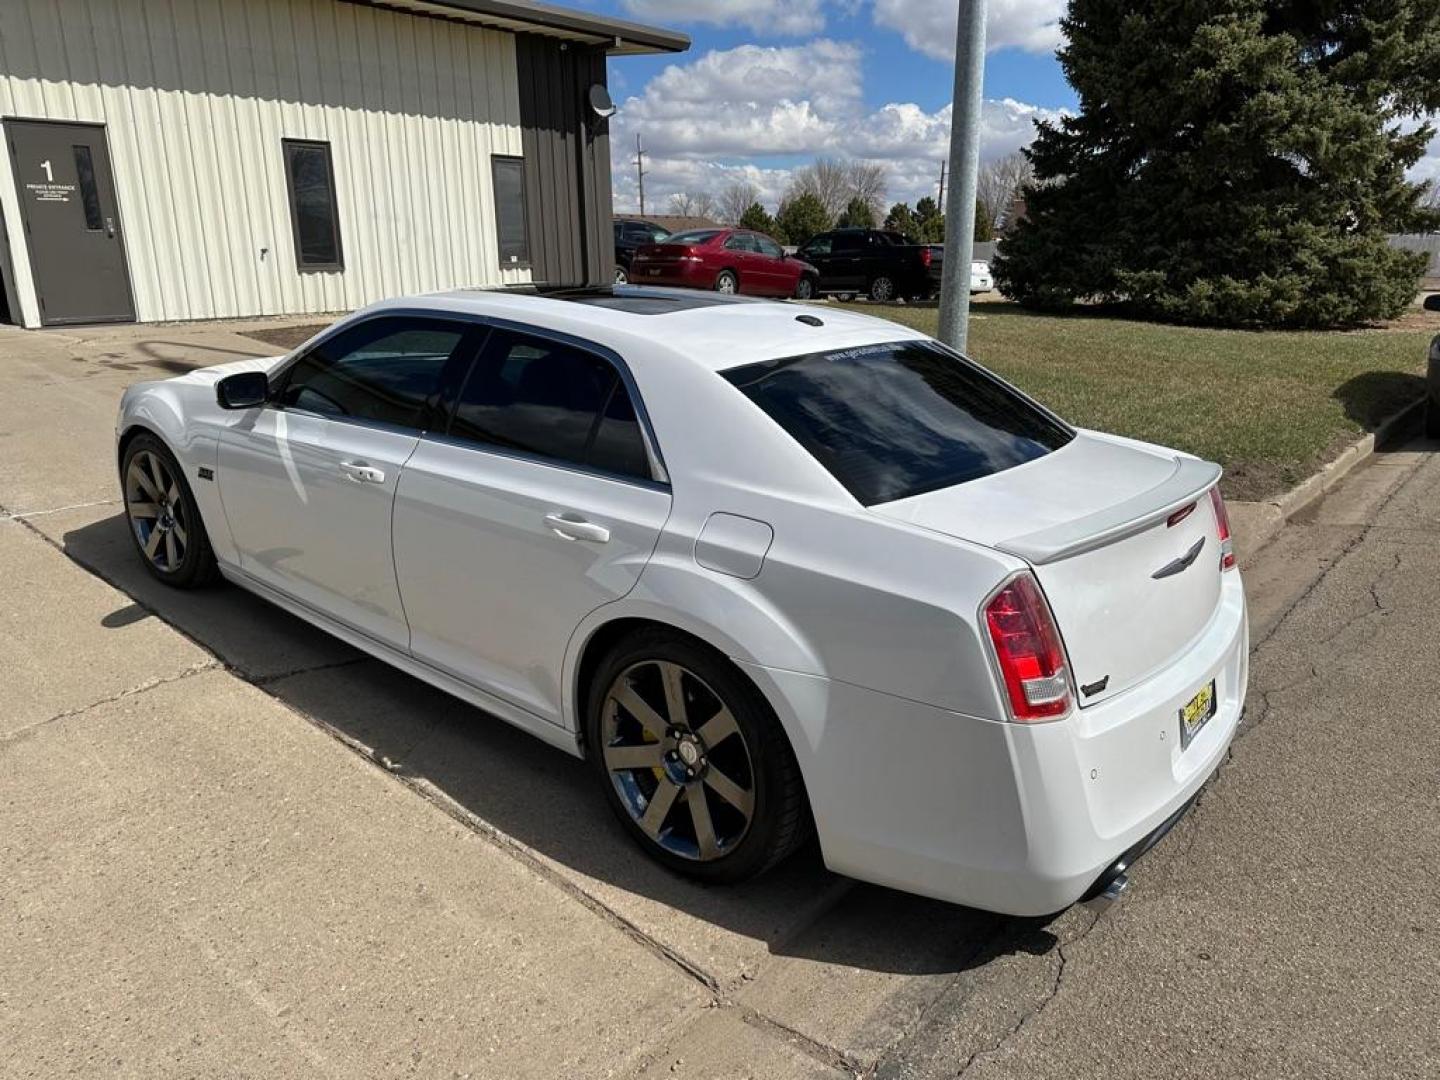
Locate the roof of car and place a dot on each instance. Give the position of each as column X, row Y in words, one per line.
column 717, row 331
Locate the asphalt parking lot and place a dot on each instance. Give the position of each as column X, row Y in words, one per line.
column 234, row 847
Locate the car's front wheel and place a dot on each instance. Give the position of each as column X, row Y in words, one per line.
column 727, row 282
column 622, row 276
column 805, row 288
column 692, row 759
column 164, row 520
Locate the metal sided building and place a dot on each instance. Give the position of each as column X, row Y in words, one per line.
column 200, row 159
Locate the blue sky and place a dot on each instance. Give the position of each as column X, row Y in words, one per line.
column 768, row 86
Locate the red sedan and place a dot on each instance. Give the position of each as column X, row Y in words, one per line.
column 726, row 260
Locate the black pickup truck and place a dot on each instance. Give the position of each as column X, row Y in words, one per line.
column 877, row 263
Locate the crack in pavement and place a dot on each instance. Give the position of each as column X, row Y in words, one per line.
column 1031, row 1014
column 133, row 691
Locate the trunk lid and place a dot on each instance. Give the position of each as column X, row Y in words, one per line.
column 1132, row 576
column 662, row 253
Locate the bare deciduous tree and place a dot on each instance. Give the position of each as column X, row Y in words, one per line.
column 828, row 179
column 735, row 199
column 867, row 183
column 998, row 183
column 693, row 204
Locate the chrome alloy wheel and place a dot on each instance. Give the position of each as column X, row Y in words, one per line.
column 678, row 760
column 156, row 511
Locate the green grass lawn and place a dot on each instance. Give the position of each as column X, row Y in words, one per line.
column 1270, row 407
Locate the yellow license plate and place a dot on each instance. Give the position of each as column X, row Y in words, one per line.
column 1195, row 712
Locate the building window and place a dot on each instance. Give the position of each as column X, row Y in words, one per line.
column 509, row 176
column 89, row 192
column 313, row 213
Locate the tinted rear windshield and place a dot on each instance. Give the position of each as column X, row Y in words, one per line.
column 694, row 236
column 895, row 420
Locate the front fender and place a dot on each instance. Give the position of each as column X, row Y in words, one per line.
column 175, row 413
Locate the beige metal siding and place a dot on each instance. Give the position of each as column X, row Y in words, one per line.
column 196, row 96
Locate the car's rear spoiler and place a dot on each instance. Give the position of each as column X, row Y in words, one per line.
column 1190, row 480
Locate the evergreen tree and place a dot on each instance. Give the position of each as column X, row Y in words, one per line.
column 984, row 225
column 856, row 215
column 756, row 218
column 929, row 222
column 1234, row 162
column 801, row 217
column 902, row 220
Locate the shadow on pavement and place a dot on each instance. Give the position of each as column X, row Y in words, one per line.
column 1373, row 396
column 548, row 801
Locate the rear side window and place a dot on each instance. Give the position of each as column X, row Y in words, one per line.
column 554, row 400
column 380, row 370
column 895, row 420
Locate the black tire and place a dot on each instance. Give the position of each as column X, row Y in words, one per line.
column 622, row 276
column 1432, row 419
column 805, row 289
column 882, row 289
column 727, row 278
column 184, row 558
column 845, row 297
column 779, row 821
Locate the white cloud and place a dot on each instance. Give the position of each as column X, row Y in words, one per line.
column 762, row 16
column 928, row 26
column 706, row 123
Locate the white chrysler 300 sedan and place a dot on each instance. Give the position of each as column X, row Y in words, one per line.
column 771, row 568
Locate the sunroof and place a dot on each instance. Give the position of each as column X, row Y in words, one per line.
column 634, row 299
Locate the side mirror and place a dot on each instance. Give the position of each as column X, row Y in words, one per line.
column 1432, row 302
column 243, row 390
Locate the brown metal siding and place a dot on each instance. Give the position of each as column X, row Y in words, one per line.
column 567, row 162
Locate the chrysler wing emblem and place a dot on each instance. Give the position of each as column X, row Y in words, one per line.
column 1170, row 569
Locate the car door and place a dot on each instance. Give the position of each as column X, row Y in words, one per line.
column 541, row 501
column 308, row 481
column 740, row 252
column 848, row 260
column 819, row 253
column 780, row 273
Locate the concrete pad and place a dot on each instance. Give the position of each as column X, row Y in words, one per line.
column 197, row 878
column 68, row 640
column 861, row 977
column 59, row 392
column 249, row 634
column 720, row 1045
column 550, row 804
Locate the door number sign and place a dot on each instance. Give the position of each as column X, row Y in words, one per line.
column 49, row 191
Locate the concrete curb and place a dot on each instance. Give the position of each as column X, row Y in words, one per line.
column 1258, row 522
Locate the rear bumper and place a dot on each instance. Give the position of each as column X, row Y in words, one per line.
column 688, row 274
column 1017, row 818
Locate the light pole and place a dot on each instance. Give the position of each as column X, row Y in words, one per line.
column 964, row 163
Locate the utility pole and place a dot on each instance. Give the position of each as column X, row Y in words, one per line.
column 964, row 164
column 640, row 171
column 941, row 202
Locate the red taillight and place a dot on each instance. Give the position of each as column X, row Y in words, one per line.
column 1027, row 647
column 1222, row 526
column 925, row 256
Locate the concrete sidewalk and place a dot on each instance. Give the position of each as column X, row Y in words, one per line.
column 234, row 846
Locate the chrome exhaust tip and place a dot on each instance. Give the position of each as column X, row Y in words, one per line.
column 1113, row 891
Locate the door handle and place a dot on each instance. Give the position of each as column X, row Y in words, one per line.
column 574, row 527
column 362, row 473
